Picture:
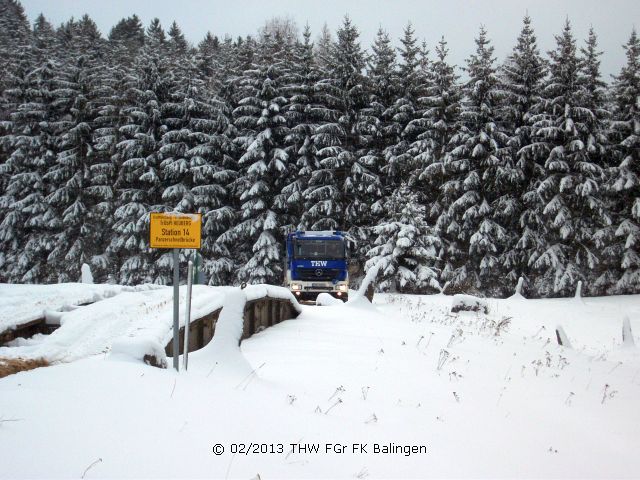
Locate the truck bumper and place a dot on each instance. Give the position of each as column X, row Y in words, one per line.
column 307, row 296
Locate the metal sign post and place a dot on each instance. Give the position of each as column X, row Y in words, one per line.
column 176, row 230
column 176, row 294
column 187, row 316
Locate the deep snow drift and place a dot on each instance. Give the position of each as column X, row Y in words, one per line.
column 486, row 395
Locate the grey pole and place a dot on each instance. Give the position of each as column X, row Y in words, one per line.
column 176, row 324
column 187, row 318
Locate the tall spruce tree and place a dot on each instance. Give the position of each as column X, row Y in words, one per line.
column 302, row 115
column 440, row 120
column 625, row 135
column 264, row 167
column 139, row 183
column 522, row 77
column 478, row 177
column 29, row 224
column 570, row 189
column 405, row 121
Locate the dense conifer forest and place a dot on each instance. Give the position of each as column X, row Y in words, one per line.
column 463, row 177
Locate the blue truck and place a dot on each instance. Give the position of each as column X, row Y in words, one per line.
column 317, row 262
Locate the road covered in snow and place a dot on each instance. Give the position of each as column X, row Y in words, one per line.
column 399, row 389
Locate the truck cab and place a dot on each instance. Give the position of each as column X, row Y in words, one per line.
column 317, row 262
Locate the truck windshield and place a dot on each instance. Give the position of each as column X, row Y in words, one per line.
column 323, row 249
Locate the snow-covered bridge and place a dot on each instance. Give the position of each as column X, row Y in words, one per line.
column 66, row 322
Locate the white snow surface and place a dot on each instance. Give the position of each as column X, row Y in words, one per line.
column 144, row 313
column 326, row 299
column 23, row 303
column 488, row 395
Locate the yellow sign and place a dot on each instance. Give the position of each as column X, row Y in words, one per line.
column 175, row 230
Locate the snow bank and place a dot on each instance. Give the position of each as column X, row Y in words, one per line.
column 143, row 313
column 253, row 292
column 324, row 299
column 86, row 275
column 368, row 280
column 223, row 351
column 469, row 303
column 24, row 303
column 144, row 350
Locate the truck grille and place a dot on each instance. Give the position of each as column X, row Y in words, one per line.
column 319, row 274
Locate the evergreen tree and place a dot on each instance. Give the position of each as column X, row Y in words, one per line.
column 404, row 115
column 127, row 34
column 378, row 115
column 75, row 239
column 522, row 80
column 405, row 246
column 478, row 175
column 264, row 166
column 15, row 36
column 29, row 223
column 434, row 131
column 593, row 99
column 139, row 183
column 302, row 115
column 570, row 189
column 177, row 42
column 625, row 135
column 340, row 190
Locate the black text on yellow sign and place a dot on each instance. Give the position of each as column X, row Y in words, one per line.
column 171, row 230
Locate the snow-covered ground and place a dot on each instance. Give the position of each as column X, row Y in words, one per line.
column 476, row 395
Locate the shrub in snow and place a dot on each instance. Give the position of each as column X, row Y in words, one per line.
column 147, row 351
column 9, row 366
column 468, row 303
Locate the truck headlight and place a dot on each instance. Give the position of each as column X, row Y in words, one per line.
column 343, row 288
column 296, row 286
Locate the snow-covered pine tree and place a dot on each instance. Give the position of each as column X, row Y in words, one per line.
column 404, row 116
column 15, row 36
column 602, row 278
column 522, row 77
column 242, row 56
column 194, row 151
column 77, row 239
column 257, row 239
column 405, row 247
column 177, row 43
column 139, row 184
column 28, row 224
column 625, row 136
column 209, row 62
column 127, row 37
column 213, row 169
column 478, row 178
column 302, row 117
column 570, row 189
column 341, row 190
column 433, row 131
column 377, row 117
column 323, row 49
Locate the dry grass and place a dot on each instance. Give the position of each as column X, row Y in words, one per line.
column 9, row 366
